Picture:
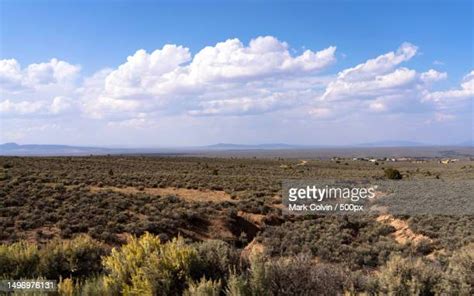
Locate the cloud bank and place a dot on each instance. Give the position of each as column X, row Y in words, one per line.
column 228, row 79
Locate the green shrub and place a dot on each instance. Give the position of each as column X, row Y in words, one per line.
column 19, row 260
column 459, row 279
column 76, row 258
column 93, row 286
column 237, row 285
column 66, row 287
column 216, row 258
column 393, row 174
column 257, row 274
column 422, row 247
column 89, row 287
column 145, row 266
column 4, row 176
column 301, row 276
column 203, row 288
column 407, row 276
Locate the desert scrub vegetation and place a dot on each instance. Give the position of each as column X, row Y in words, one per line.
column 78, row 258
column 60, row 217
column 48, row 197
column 393, row 174
column 145, row 266
column 356, row 241
column 447, row 232
column 18, row 260
column 408, row 276
column 148, row 266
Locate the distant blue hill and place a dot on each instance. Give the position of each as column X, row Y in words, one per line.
column 230, row 146
column 393, row 144
column 468, row 143
column 15, row 149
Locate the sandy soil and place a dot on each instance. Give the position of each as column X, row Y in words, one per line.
column 186, row 194
column 403, row 233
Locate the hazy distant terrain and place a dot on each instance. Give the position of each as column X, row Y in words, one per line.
column 326, row 153
column 264, row 150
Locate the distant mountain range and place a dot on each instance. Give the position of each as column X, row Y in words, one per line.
column 230, row 146
column 15, row 149
column 51, row 150
column 393, row 144
column 469, row 143
column 38, row 150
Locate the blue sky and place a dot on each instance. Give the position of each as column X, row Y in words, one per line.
column 303, row 101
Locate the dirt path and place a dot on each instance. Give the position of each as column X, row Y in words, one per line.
column 403, row 234
column 186, row 194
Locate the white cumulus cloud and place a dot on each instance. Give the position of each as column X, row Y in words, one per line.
column 39, row 89
column 466, row 91
column 380, row 65
column 383, row 85
column 225, row 79
column 20, row 108
column 264, row 77
column 55, row 72
column 375, row 77
column 433, row 75
column 61, row 104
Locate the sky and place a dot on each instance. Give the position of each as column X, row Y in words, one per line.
column 188, row 73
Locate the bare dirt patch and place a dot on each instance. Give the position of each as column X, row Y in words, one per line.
column 303, row 162
column 257, row 219
column 214, row 228
column 186, row 194
column 223, row 228
column 276, row 201
column 403, row 233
